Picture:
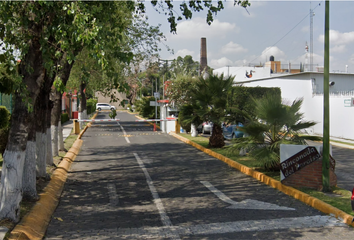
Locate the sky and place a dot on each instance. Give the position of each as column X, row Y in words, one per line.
column 279, row 28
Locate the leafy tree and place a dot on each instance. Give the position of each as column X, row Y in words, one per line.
column 42, row 32
column 180, row 88
column 184, row 65
column 209, row 101
column 275, row 124
column 48, row 36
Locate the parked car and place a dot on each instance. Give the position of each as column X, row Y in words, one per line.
column 205, row 127
column 104, row 106
column 232, row 131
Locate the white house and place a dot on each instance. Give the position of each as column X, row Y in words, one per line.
column 309, row 86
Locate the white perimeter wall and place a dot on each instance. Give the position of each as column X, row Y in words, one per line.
column 341, row 117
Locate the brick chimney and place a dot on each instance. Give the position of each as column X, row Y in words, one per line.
column 203, row 56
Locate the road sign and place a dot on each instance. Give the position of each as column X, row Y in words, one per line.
column 157, row 95
column 153, row 103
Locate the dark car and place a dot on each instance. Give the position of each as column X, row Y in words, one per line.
column 232, row 131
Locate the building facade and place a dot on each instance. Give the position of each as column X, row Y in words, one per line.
column 309, row 86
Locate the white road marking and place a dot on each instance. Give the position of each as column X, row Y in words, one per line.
column 112, row 192
column 229, row 227
column 157, row 200
column 124, row 132
column 245, row 204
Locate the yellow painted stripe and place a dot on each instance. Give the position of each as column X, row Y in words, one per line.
column 34, row 224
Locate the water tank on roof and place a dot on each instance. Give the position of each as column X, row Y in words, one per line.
column 271, row 58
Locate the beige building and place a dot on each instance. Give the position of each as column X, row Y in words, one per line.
column 107, row 99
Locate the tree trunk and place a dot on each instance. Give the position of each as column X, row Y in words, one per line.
column 55, row 119
column 29, row 171
column 49, row 107
column 194, row 132
column 83, row 105
column 41, row 138
column 63, row 74
column 216, row 139
column 14, row 156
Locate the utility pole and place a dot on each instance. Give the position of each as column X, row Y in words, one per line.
column 325, row 154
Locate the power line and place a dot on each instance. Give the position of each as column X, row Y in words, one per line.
column 288, row 32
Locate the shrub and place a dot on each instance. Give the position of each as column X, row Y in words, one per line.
column 91, row 105
column 113, row 114
column 64, row 117
column 144, row 109
column 5, row 117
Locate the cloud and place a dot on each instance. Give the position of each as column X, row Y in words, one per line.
column 278, row 54
column 197, row 28
column 338, row 38
column 222, row 62
column 338, row 49
column 183, row 53
column 232, row 47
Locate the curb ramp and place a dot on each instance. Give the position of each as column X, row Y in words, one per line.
column 303, row 197
column 33, row 225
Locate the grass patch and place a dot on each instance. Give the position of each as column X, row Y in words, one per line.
column 346, row 143
column 339, row 198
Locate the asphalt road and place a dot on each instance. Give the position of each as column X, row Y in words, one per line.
column 129, row 182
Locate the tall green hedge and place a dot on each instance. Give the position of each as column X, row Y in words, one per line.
column 241, row 99
column 91, row 105
column 64, row 117
column 144, row 109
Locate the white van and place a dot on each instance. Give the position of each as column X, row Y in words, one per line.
column 104, row 106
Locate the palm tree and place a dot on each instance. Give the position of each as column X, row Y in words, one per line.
column 209, row 101
column 275, row 123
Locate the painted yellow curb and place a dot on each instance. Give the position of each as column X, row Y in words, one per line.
column 303, row 197
column 34, row 225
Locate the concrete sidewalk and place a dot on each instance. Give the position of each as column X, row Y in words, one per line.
column 67, row 128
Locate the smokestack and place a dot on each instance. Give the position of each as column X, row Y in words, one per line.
column 203, row 56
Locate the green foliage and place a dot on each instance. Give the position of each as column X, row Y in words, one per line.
column 186, row 117
column 209, row 101
column 4, row 117
column 275, row 124
column 240, row 101
column 91, row 105
column 113, row 114
column 188, row 7
column 144, row 109
column 184, row 66
column 179, row 89
column 209, row 97
column 64, row 117
column 4, row 128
